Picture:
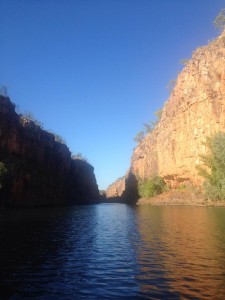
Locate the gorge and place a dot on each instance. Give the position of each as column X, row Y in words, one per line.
column 41, row 171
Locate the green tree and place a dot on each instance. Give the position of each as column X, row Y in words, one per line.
column 151, row 187
column 213, row 169
column 219, row 21
column 3, row 171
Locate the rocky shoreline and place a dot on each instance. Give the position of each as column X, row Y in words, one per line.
column 180, row 198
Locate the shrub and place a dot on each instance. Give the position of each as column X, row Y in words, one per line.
column 139, row 136
column 148, row 127
column 171, row 85
column 219, row 21
column 3, row 91
column 79, row 156
column 158, row 114
column 2, row 173
column 213, row 169
column 30, row 117
column 184, row 61
column 59, row 138
column 151, row 187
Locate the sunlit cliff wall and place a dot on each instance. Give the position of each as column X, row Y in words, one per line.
column 194, row 111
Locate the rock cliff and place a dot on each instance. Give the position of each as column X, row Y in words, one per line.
column 40, row 170
column 194, row 111
column 117, row 188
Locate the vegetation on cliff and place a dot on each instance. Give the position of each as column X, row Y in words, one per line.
column 214, row 167
column 219, row 21
column 148, row 127
column 151, row 187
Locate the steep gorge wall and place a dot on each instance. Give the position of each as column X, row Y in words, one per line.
column 117, row 188
column 194, row 111
column 40, row 171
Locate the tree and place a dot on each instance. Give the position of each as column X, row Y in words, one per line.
column 3, row 171
column 219, row 21
column 139, row 136
column 213, row 169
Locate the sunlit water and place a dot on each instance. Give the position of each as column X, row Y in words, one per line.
column 113, row 251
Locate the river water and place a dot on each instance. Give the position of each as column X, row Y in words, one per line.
column 113, row 251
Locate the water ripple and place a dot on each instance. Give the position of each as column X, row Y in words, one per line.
column 113, row 252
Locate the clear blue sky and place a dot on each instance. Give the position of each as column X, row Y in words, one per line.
column 94, row 71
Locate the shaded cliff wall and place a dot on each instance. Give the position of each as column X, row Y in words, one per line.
column 40, row 170
column 194, row 111
column 123, row 189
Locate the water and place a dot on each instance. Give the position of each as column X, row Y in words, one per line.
column 113, row 251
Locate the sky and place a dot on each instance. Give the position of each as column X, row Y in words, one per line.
column 93, row 71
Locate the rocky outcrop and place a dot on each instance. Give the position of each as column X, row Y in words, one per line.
column 40, row 170
column 194, row 111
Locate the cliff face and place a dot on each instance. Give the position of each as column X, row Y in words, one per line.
column 123, row 189
column 40, row 170
column 116, row 189
column 194, row 111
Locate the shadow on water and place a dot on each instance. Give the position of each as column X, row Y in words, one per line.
column 30, row 240
column 66, row 252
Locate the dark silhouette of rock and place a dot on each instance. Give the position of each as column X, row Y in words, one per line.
column 40, row 170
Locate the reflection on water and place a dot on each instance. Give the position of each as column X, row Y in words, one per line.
column 187, row 256
column 113, row 251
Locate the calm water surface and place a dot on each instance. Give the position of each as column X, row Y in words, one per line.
column 113, row 251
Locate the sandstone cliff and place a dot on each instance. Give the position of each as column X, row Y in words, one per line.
column 117, row 188
column 194, row 111
column 40, row 170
